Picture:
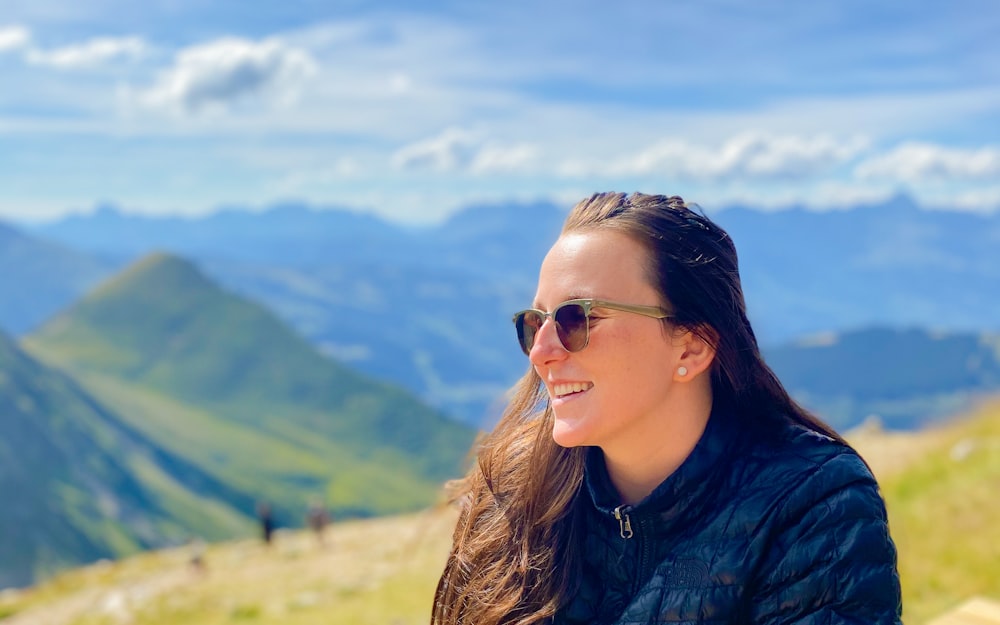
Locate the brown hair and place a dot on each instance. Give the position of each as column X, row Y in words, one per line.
column 514, row 557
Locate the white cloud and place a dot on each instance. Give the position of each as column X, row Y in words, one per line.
column 504, row 158
column 759, row 155
column 458, row 150
column 217, row 73
column 337, row 172
column 919, row 162
column 93, row 52
column 450, row 151
column 746, row 155
column 399, row 83
column 984, row 200
column 822, row 195
column 13, row 38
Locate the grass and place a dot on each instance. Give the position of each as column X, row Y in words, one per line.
column 942, row 491
column 376, row 571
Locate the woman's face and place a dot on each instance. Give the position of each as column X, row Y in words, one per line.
column 617, row 391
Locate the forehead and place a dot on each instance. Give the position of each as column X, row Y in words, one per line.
column 595, row 263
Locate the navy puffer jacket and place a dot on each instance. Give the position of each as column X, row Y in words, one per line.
column 783, row 529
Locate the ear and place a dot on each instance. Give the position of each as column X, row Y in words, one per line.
column 697, row 354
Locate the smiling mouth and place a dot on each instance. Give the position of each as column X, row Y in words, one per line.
column 563, row 390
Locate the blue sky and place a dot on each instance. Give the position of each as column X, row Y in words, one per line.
column 412, row 110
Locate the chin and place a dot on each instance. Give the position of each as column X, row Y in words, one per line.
column 567, row 436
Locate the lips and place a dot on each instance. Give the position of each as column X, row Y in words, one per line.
column 564, row 389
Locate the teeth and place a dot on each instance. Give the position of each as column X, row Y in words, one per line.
column 573, row 387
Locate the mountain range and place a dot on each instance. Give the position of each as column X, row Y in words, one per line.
column 38, row 277
column 429, row 307
column 903, row 379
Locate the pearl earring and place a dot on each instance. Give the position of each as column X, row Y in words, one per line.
column 682, row 371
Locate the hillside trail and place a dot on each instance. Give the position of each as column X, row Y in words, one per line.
column 114, row 603
column 296, row 571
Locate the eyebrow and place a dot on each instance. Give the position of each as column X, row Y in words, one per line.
column 538, row 306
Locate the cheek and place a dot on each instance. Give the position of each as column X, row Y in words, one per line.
column 633, row 353
column 644, row 363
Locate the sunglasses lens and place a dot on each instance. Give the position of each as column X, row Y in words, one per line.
column 571, row 326
column 528, row 323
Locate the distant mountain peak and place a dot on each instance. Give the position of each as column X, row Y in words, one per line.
column 157, row 274
column 160, row 307
column 162, row 324
column 161, row 264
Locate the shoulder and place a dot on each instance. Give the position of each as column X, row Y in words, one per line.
column 798, row 444
column 826, row 529
column 796, row 469
column 795, row 453
column 816, row 501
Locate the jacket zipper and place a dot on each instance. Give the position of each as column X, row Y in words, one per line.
column 625, row 531
column 624, row 522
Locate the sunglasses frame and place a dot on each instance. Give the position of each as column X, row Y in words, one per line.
column 587, row 304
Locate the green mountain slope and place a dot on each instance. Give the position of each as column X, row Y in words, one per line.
column 79, row 485
column 223, row 383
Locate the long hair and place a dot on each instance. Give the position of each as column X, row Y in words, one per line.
column 514, row 558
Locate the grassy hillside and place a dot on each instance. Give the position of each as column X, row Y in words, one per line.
column 379, row 571
column 942, row 490
column 79, row 485
column 223, row 383
column 162, row 324
column 284, row 471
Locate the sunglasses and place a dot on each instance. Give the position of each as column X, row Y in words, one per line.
column 572, row 319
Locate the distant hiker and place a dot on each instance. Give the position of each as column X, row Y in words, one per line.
column 317, row 518
column 197, row 558
column 266, row 517
column 650, row 467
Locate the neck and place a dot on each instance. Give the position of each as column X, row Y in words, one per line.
column 639, row 466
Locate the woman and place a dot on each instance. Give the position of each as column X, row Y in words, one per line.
column 650, row 468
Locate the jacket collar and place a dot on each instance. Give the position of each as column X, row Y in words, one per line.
column 676, row 494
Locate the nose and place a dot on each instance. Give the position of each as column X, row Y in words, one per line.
column 547, row 347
